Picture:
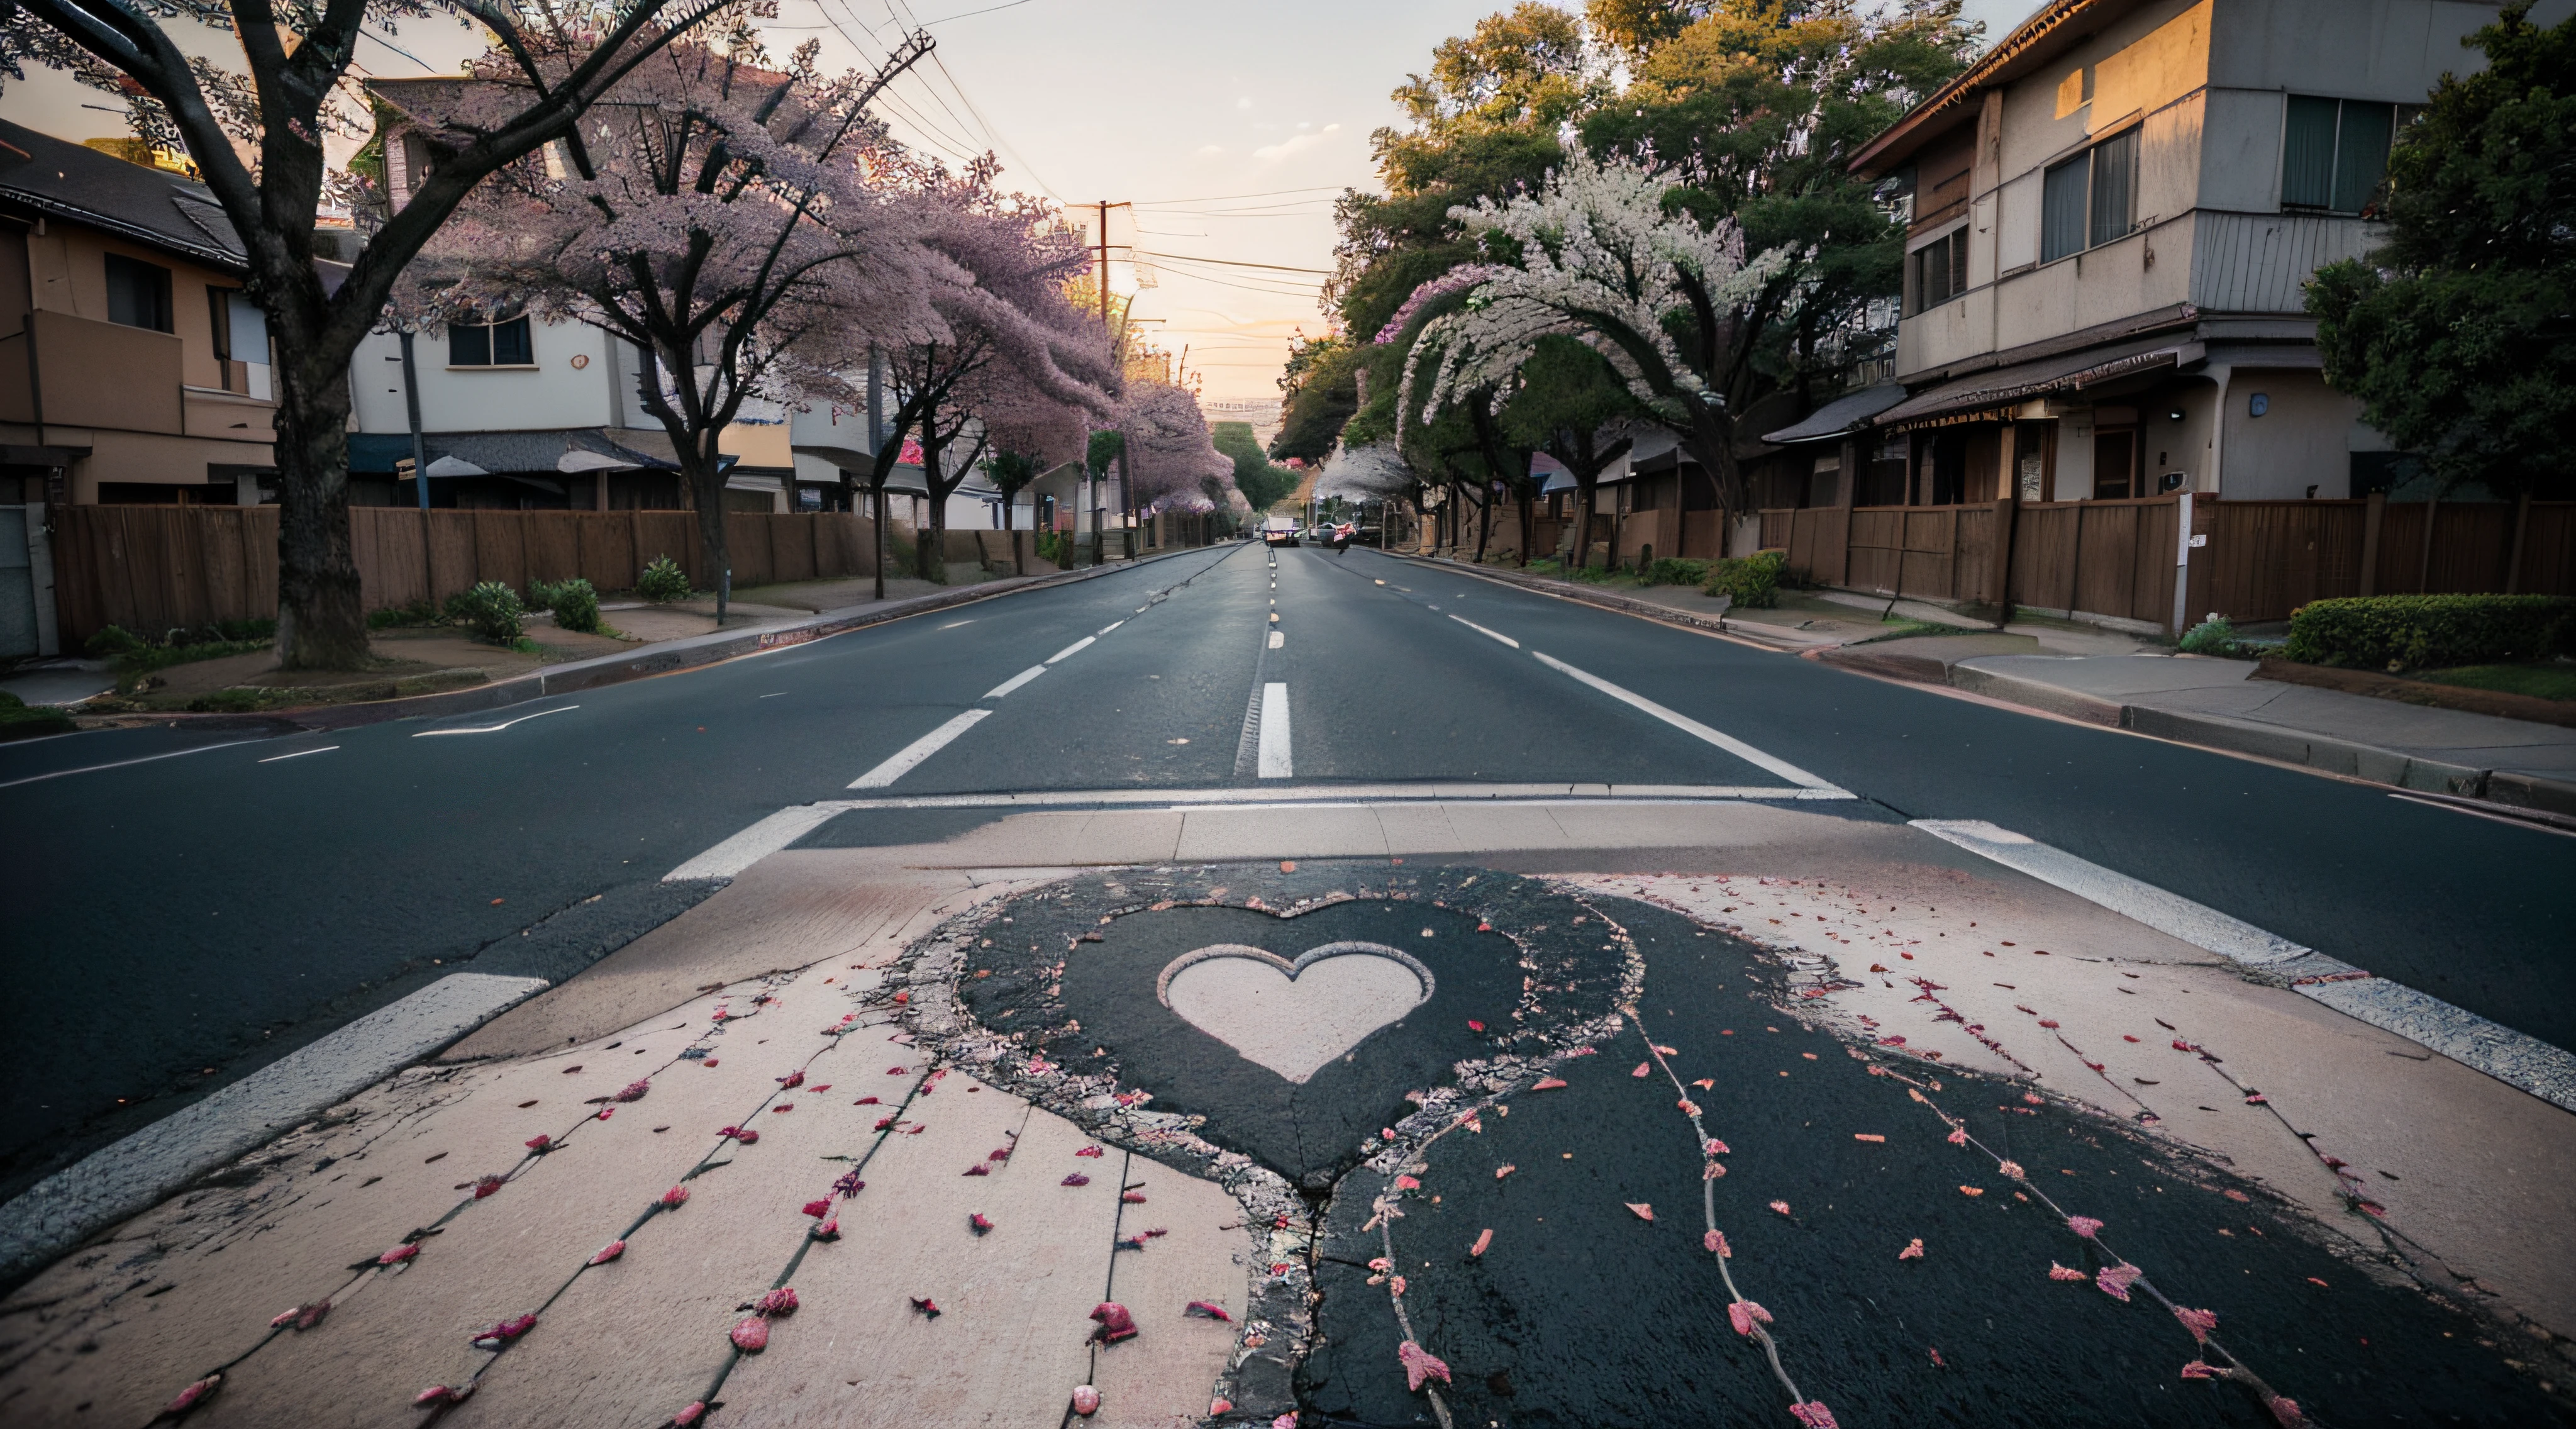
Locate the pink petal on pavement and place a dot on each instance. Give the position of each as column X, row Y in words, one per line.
column 1420, row 1365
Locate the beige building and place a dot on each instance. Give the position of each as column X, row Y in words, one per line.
column 134, row 371
column 2112, row 213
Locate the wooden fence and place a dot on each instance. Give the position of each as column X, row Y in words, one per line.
column 2254, row 561
column 157, row 568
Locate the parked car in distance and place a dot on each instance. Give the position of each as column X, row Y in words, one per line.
column 1279, row 531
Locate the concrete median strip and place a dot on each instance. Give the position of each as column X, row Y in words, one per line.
column 65, row 1208
column 2514, row 1058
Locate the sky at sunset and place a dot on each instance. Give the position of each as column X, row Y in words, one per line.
column 1230, row 125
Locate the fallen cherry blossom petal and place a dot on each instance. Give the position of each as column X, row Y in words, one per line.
column 1420, row 1365
column 486, row 1185
column 1714, row 1242
column 928, row 1307
column 1407, row 1183
column 1076, row 1179
column 1133, row 1198
column 791, row 1081
column 751, row 1336
column 608, row 1252
column 867, row 1101
column 634, row 1091
column 975, row 1222
column 1644, row 1212
column 1715, row 1147
column 2084, row 1226
column 674, row 1198
column 1781, row 1206
column 398, row 1254
column 829, row 1230
column 818, row 1209
column 2284, row 1411
column 1483, row 1241
column 1210, row 1309
column 1115, row 1323
column 1744, row 1314
column 1086, row 1400
column 1088, row 1151
column 540, row 1143
column 1220, row 1406
column 2197, row 1370
column 1958, row 1136
column 1913, row 1250
column 2116, row 1280
column 2013, row 1170
column 1285, row 1421
column 2060, row 1272
column 1548, row 1084
column 1813, row 1414
column 1474, row 1026
column 442, row 1394
column 1641, row 1069
column 978, row 1169
column 1398, row 1283
column 2199, row 1322
column 688, row 1418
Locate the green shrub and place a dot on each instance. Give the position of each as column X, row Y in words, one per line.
column 575, row 604
column 2214, row 636
column 115, row 640
column 21, row 720
column 1673, row 570
column 1754, row 580
column 663, row 581
column 2407, row 632
column 419, row 612
column 492, row 609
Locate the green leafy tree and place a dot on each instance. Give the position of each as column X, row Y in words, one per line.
column 1318, row 393
column 1573, row 407
column 2456, row 333
column 1262, row 485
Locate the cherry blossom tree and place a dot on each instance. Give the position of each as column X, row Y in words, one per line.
column 1673, row 304
column 725, row 218
column 1029, row 434
column 293, row 89
column 1172, row 464
column 1011, row 336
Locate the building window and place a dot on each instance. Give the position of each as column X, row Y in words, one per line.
column 2334, row 153
column 500, row 344
column 1940, row 270
column 138, row 293
column 2090, row 199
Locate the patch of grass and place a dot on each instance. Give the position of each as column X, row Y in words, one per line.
column 234, row 701
column 137, row 665
column 2553, row 681
column 420, row 612
column 21, row 720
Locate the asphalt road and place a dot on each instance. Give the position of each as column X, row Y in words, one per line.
column 184, row 906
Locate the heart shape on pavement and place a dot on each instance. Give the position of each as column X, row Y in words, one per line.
column 1293, row 1017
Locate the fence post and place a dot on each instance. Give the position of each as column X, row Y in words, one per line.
column 2075, row 562
column 2007, row 518
column 2182, row 562
column 2424, row 568
column 2374, row 509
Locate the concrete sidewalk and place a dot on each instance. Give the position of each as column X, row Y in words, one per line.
column 956, row 1052
column 2214, row 702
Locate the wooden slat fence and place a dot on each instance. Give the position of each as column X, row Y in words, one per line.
column 152, row 569
column 2258, row 561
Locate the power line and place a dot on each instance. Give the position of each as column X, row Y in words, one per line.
column 1235, row 263
column 1267, row 193
column 987, row 10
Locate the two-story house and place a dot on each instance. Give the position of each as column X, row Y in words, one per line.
column 132, row 370
column 2112, row 214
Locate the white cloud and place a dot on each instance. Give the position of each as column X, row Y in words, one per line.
column 1244, row 103
column 1295, row 144
column 1211, row 148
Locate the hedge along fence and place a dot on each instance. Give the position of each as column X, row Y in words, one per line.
column 2419, row 632
column 155, row 568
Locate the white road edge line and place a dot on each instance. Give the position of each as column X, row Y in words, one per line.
column 1692, row 727
column 1015, row 682
column 2516, row 1059
column 1462, row 620
column 494, row 728
column 917, row 751
column 121, row 763
column 131, row 1175
column 299, row 754
column 1276, row 762
column 1071, row 649
column 1114, row 625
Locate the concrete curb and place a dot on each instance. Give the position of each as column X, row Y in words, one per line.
column 2370, row 762
column 134, row 1174
column 662, row 659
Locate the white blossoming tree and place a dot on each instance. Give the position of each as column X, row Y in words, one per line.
column 1674, row 306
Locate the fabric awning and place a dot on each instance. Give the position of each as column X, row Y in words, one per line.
column 1838, row 418
column 1991, row 392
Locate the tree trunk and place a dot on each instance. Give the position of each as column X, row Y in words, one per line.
column 1484, row 524
column 706, row 481
column 1019, row 565
column 1584, row 487
column 321, row 616
column 1529, row 525
column 876, row 493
